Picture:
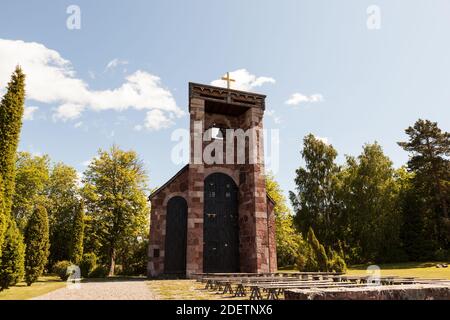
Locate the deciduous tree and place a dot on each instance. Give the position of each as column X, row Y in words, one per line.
column 288, row 239
column 30, row 181
column 115, row 198
column 314, row 203
column 76, row 252
column 62, row 205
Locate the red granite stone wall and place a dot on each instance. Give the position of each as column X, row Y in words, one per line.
column 177, row 187
column 256, row 220
column 272, row 241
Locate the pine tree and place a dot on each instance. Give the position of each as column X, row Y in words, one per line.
column 37, row 245
column 12, row 259
column 429, row 149
column 11, row 111
column 77, row 235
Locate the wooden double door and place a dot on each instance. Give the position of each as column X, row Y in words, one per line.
column 176, row 237
column 221, row 225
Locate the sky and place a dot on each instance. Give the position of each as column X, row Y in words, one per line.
column 350, row 72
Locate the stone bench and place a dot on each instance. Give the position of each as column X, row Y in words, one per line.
column 439, row 291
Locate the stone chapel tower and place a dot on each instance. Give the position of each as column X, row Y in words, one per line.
column 214, row 215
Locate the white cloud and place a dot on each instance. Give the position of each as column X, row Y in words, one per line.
column 298, row 98
column 79, row 181
column 28, row 113
column 244, row 81
column 68, row 111
column 78, row 124
column 86, row 163
column 156, row 120
column 51, row 79
column 272, row 114
column 115, row 63
column 277, row 119
column 323, row 139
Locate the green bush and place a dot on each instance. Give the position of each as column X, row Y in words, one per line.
column 99, row 272
column 337, row 263
column 88, row 264
column 318, row 253
column 311, row 262
column 60, row 269
column 301, row 262
column 136, row 262
column 12, row 261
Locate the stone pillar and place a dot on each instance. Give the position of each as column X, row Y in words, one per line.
column 260, row 196
column 194, row 253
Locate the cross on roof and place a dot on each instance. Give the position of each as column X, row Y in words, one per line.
column 228, row 80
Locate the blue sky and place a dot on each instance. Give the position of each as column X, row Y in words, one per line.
column 371, row 84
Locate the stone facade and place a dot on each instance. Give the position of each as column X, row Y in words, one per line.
column 389, row 292
column 212, row 107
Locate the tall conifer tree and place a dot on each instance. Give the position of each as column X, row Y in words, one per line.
column 11, row 112
column 37, row 245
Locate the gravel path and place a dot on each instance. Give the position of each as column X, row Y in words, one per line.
column 104, row 290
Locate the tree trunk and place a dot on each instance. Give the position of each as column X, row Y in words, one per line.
column 112, row 261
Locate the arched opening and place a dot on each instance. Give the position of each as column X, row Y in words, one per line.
column 221, row 225
column 176, row 236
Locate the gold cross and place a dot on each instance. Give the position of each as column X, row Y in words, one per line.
column 228, row 80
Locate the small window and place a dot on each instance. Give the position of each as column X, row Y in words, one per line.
column 155, row 253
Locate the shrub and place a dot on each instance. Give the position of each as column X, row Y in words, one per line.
column 37, row 245
column 311, row 262
column 301, row 261
column 60, row 269
column 12, row 261
column 337, row 263
column 136, row 261
column 99, row 272
column 88, row 264
column 318, row 260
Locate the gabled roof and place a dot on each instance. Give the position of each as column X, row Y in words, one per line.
column 154, row 193
column 271, row 199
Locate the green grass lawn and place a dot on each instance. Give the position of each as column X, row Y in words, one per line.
column 22, row 292
column 408, row 269
column 185, row 290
